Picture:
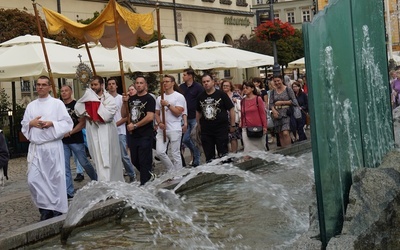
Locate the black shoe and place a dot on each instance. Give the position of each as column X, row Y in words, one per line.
column 156, row 158
column 131, row 179
column 79, row 177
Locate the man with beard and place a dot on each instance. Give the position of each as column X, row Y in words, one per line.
column 141, row 109
column 99, row 108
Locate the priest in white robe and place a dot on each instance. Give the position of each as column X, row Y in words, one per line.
column 44, row 124
column 99, row 108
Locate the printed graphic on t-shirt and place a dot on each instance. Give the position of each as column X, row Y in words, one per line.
column 137, row 110
column 72, row 114
column 210, row 108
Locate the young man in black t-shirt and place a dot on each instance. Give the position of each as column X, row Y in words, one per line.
column 73, row 142
column 213, row 106
column 141, row 111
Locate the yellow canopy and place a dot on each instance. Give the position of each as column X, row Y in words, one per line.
column 131, row 26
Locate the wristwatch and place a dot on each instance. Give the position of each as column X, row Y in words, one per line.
column 169, row 104
column 134, row 126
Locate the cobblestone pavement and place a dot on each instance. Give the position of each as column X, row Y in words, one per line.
column 16, row 207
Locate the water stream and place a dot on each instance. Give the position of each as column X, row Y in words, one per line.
column 263, row 209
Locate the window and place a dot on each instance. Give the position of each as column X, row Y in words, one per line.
column 306, row 16
column 290, row 17
column 260, row 1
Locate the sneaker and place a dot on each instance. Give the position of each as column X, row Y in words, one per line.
column 79, row 177
column 131, row 179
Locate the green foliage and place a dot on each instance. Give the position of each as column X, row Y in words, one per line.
column 4, row 100
column 289, row 49
column 152, row 78
column 89, row 20
column 14, row 22
column 153, row 38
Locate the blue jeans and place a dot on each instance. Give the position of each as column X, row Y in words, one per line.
column 79, row 168
column 79, row 151
column 125, row 157
column 142, row 156
column 189, row 143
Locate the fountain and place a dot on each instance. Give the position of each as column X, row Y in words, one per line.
column 264, row 208
column 349, row 101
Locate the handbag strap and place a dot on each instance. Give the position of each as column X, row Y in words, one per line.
column 244, row 110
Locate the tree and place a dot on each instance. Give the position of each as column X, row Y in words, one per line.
column 4, row 101
column 14, row 22
column 289, row 49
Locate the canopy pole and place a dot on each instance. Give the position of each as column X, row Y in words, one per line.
column 121, row 64
column 53, row 87
column 90, row 56
column 160, row 65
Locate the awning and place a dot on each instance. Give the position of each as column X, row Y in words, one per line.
column 131, row 26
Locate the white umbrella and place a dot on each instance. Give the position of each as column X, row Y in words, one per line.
column 236, row 58
column 299, row 63
column 25, row 58
column 195, row 58
column 137, row 59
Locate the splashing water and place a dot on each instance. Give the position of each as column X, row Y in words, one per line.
column 163, row 210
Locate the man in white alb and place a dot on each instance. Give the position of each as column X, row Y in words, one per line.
column 101, row 131
column 45, row 123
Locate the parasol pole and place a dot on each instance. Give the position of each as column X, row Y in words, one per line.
column 90, row 56
column 53, row 87
column 121, row 65
column 160, row 67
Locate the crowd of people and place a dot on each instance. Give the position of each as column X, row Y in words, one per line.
column 213, row 117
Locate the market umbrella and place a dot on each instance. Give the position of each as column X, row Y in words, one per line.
column 137, row 59
column 299, row 63
column 237, row 58
column 195, row 58
column 23, row 57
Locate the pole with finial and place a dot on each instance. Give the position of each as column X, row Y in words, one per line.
column 53, row 87
column 160, row 65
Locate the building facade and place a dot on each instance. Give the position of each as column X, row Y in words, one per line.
column 188, row 21
column 296, row 12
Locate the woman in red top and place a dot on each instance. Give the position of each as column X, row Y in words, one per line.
column 252, row 115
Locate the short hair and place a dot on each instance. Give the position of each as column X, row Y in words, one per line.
column 112, row 78
column 46, row 78
column 205, row 75
column 230, row 84
column 251, row 85
column 141, row 76
column 189, row 71
column 67, row 85
column 99, row 78
column 170, row 77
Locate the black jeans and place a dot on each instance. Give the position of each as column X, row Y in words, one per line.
column 219, row 139
column 142, row 156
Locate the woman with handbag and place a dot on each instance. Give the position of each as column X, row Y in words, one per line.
column 303, row 104
column 282, row 98
column 253, row 119
column 236, row 135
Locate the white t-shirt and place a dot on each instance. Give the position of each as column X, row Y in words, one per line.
column 172, row 122
column 121, row 128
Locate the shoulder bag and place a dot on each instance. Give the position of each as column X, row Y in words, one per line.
column 252, row 132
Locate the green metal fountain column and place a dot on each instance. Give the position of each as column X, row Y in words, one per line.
column 349, row 99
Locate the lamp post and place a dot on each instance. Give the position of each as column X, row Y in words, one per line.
column 276, row 69
column 10, row 121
